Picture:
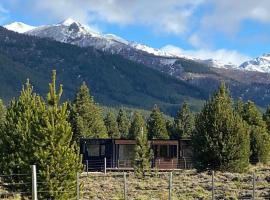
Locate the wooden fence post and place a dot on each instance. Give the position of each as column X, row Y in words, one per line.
column 125, row 186
column 105, row 165
column 213, row 186
column 34, row 182
column 87, row 167
column 253, row 186
column 78, row 185
column 170, row 186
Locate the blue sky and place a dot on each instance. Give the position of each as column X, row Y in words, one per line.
column 227, row 30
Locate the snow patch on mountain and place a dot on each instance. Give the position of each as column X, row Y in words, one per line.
column 156, row 52
column 259, row 64
column 73, row 32
column 19, row 27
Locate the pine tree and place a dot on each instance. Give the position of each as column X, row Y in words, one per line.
column 2, row 114
column 136, row 125
column 259, row 136
column 58, row 160
column 86, row 116
column 157, row 125
column 111, row 125
column 170, row 128
column 221, row 138
column 39, row 133
column 239, row 106
column 266, row 118
column 183, row 122
column 143, row 154
column 16, row 137
column 123, row 123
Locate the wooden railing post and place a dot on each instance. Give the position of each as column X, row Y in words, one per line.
column 105, row 165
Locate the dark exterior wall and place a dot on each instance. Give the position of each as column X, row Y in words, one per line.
column 97, row 162
column 183, row 158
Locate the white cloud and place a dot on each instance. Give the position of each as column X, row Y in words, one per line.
column 170, row 16
column 228, row 15
column 226, row 56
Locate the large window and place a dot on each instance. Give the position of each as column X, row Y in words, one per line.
column 126, row 152
column 165, row 151
column 95, row 150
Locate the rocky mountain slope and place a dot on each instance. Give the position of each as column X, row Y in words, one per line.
column 245, row 81
column 260, row 64
column 113, row 80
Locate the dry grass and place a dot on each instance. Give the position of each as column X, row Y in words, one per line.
column 187, row 184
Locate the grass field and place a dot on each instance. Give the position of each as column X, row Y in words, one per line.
column 186, row 184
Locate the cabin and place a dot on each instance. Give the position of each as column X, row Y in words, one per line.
column 119, row 154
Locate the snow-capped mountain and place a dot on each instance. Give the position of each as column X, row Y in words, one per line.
column 19, row 27
column 73, row 32
column 218, row 64
column 260, row 64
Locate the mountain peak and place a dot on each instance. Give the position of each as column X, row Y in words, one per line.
column 19, row 27
column 69, row 21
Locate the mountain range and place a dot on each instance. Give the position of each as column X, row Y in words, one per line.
column 73, row 32
column 250, row 80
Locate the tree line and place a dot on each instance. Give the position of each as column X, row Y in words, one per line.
column 225, row 135
column 87, row 121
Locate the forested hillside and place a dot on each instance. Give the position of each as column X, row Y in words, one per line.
column 113, row 80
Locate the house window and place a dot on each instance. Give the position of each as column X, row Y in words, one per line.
column 163, row 151
column 173, row 151
column 95, row 150
column 102, row 150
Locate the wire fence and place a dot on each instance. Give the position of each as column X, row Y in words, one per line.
column 15, row 185
column 154, row 185
column 176, row 185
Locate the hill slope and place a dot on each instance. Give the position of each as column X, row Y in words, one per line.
column 114, row 80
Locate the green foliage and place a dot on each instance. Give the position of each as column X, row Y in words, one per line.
column 259, row 136
column 112, row 126
column 2, row 114
column 18, row 135
column 221, row 138
column 112, row 82
column 39, row 133
column 143, row 154
column 170, row 128
column 266, row 118
column 123, row 123
column 86, row 116
column 183, row 123
column 136, row 125
column 157, row 125
column 239, row 106
column 58, row 159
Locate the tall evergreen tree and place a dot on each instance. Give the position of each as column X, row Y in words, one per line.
column 221, row 138
column 239, row 106
column 170, row 128
column 184, row 122
column 157, row 125
column 259, row 136
column 16, row 147
column 136, row 125
column 266, row 118
column 2, row 114
column 123, row 123
column 143, row 154
column 112, row 126
column 39, row 133
column 58, row 160
column 86, row 116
